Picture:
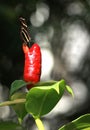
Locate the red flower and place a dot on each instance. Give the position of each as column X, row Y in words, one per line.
column 32, row 68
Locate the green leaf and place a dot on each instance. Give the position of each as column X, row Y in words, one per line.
column 10, row 126
column 81, row 123
column 69, row 89
column 16, row 85
column 20, row 107
column 42, row 99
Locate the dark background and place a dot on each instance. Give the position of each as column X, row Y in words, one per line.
column 62, row 14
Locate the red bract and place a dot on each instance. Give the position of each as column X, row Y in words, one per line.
column 32, row 68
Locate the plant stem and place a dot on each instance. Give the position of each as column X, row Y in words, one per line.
column 20, row 121
column 7, row 103
column 39, row 124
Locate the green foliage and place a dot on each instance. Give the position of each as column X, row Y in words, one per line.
column 81, row 123
column 20, row 107
column 38, row 101
column 16, row 85
column 68, row 88
column 10, row 126
column 42, row 99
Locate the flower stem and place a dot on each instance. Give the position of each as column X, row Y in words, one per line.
column 39, row 124
column 7, row 103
